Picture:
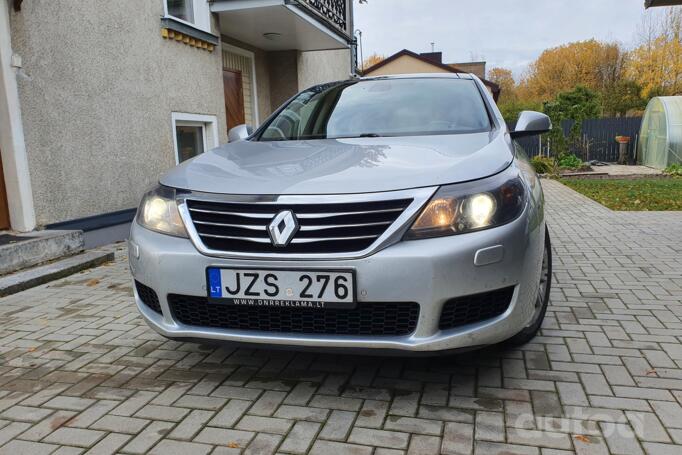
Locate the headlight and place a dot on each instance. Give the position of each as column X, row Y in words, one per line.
column 159, row 212
column 472, row 206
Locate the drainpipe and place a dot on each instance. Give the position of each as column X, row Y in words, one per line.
column 12, row 144
column 350, row 28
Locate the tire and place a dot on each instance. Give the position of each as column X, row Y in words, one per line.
column 532, row 329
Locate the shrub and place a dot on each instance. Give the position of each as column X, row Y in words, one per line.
column 674, row 169
column 570, row 162
column 542, row 164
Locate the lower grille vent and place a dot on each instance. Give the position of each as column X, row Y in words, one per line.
column 148, row 297
column 397, row 318
column 475, row 308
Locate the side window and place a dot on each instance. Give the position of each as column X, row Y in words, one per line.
column 304, row 126
column 294, row 121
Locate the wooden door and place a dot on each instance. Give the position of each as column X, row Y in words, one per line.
column 4, row 210
column 234, row 98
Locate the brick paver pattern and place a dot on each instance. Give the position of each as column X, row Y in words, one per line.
column 82, row 373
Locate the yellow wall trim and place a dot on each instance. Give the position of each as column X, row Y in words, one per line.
column 169, row 34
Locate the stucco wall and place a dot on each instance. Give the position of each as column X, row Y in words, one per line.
column 97, row 89
column 283, row 67
column 318, row 67
column 406, row 65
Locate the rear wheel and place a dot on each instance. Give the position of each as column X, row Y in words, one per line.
column 542, row 299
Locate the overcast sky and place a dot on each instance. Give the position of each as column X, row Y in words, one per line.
column 509, row 33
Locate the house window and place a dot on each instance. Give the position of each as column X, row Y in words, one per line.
column 192, row 12
column 193, row 134
column 190, row 139
column 181, row 9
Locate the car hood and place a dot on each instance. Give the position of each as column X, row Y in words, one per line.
column 336, row 166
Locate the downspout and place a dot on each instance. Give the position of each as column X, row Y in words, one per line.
column 12, row 143
column 350, row 23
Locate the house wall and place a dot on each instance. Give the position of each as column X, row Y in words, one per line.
column 281, row 74
column 262, row 75
column 406, row 65
column 477, row 68
column 318, row 67
column 97, row 89
column 283, row 66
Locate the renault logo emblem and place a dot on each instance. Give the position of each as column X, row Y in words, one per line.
column 282, row 228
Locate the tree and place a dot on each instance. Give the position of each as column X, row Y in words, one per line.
column 372, row 60
column 591, row 64
column 622, row 97
column 509, row 103
column 656, row 64
column 577, row 105
column 511, row 110
column 505, row 79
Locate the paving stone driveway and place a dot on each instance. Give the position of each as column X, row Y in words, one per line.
column 80, row 372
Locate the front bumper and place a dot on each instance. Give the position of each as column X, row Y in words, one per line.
column 428, row 272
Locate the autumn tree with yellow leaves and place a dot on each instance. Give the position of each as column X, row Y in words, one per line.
column 591, row 64
column 624, row 79
column 656, row 64
column 372, row 60
column 504, row 78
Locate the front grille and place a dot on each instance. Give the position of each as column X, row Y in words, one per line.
column 365, row 319
column 148, row 296
column 475, row 308
column 324, row 228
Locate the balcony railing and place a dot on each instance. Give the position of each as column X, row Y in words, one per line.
column 334, row 11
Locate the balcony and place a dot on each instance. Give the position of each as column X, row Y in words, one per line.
column 276, row 25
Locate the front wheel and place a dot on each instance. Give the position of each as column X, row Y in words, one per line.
column 542, row 299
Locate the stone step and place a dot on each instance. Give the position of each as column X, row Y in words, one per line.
column 20, row 251
column 35, row 276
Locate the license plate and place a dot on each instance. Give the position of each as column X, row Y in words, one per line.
column 318, row 289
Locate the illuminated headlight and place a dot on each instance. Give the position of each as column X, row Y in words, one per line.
column 158, row 212
column 472, row 206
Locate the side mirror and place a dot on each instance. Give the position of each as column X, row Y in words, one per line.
column 531, row 124
column 239, row 133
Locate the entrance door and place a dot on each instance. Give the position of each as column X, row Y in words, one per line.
column 234, row 98
column 4, row 210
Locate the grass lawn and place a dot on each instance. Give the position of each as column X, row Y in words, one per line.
column 638, row 194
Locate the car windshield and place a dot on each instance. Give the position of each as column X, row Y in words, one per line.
column 381, row 107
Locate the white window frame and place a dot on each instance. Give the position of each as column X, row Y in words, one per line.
column 201, row 11
column 254, row 86
column 209, row 129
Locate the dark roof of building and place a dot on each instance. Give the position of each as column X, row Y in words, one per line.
column 654, row 3
column 432, row 59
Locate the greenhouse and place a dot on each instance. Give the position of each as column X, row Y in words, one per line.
column 660, row 139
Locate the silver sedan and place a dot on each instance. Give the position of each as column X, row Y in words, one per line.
column 380, row 214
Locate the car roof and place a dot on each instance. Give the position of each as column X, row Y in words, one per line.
column 420, row 76
column 468, row 76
